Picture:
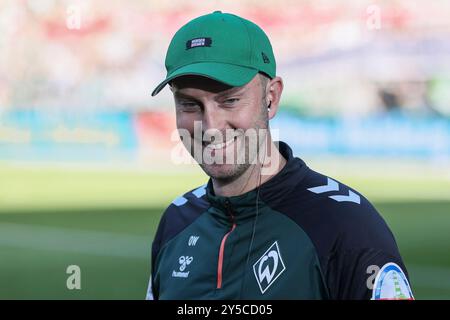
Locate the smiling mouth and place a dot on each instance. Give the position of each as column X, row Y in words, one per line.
column 218, row 146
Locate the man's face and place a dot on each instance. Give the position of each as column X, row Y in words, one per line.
column 221, row 110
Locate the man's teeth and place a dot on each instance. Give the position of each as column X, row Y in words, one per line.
column 220, row 145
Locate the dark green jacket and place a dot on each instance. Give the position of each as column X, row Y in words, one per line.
column 305, row 236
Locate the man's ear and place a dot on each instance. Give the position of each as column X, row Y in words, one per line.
column 274, row 96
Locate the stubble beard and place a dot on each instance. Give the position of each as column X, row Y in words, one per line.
column 229, row 172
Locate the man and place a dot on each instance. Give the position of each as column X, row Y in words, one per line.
column 265, row 226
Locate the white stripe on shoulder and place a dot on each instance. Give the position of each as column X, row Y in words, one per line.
column 179, row 201
column 199, row 192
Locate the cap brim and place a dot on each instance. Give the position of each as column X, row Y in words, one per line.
column 229, row 74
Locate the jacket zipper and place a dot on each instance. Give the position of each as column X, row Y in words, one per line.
column 222, row 246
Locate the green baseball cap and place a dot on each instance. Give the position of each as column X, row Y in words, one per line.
column 220, row 46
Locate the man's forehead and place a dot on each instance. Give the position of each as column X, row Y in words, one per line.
column 183, row 84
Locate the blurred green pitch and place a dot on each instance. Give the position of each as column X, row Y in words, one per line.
column 104, row 221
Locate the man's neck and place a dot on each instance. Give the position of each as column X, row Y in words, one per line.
column 254, row 176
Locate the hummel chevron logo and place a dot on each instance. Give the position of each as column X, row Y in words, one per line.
column 334, row 186
column 199, row 192
column 330, row 186
column 352, row 197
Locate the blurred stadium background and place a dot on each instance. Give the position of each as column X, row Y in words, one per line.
column 85, row 167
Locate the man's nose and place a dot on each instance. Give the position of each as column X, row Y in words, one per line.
column 213, row 118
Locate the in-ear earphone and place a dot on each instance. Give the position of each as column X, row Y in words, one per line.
column 268, row 107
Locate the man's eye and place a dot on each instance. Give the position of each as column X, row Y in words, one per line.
column 188, row 106
column 231, row 101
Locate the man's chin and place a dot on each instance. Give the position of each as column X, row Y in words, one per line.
column 224, row 171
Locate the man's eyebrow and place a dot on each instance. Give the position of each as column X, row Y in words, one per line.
column 235, row 90
column 178, row 94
